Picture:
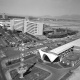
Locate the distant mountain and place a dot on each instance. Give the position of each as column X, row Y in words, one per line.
column 46, row 16
column 71, row 17
column 66, row 17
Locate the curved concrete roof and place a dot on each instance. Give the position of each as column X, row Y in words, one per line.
column 51, row 56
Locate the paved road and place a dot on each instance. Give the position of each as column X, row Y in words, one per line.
column 2, row 76
column 57, row 74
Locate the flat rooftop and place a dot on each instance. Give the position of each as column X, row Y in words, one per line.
column 64, row 47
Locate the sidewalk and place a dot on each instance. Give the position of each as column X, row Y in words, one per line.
column 75, row 75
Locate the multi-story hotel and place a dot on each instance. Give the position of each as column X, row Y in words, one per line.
column 34, row 28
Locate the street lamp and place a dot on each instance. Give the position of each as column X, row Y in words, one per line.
column 21, row 70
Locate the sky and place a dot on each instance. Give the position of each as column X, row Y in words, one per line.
column 40, row 7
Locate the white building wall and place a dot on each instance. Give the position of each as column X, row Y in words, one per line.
column 39, row 29
column 25, row 23
column 11, row 24
column 34, row 28
column 16, row 24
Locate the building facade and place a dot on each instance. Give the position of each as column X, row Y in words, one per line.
column 34, row 28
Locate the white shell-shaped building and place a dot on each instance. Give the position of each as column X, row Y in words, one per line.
column 54, row 53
